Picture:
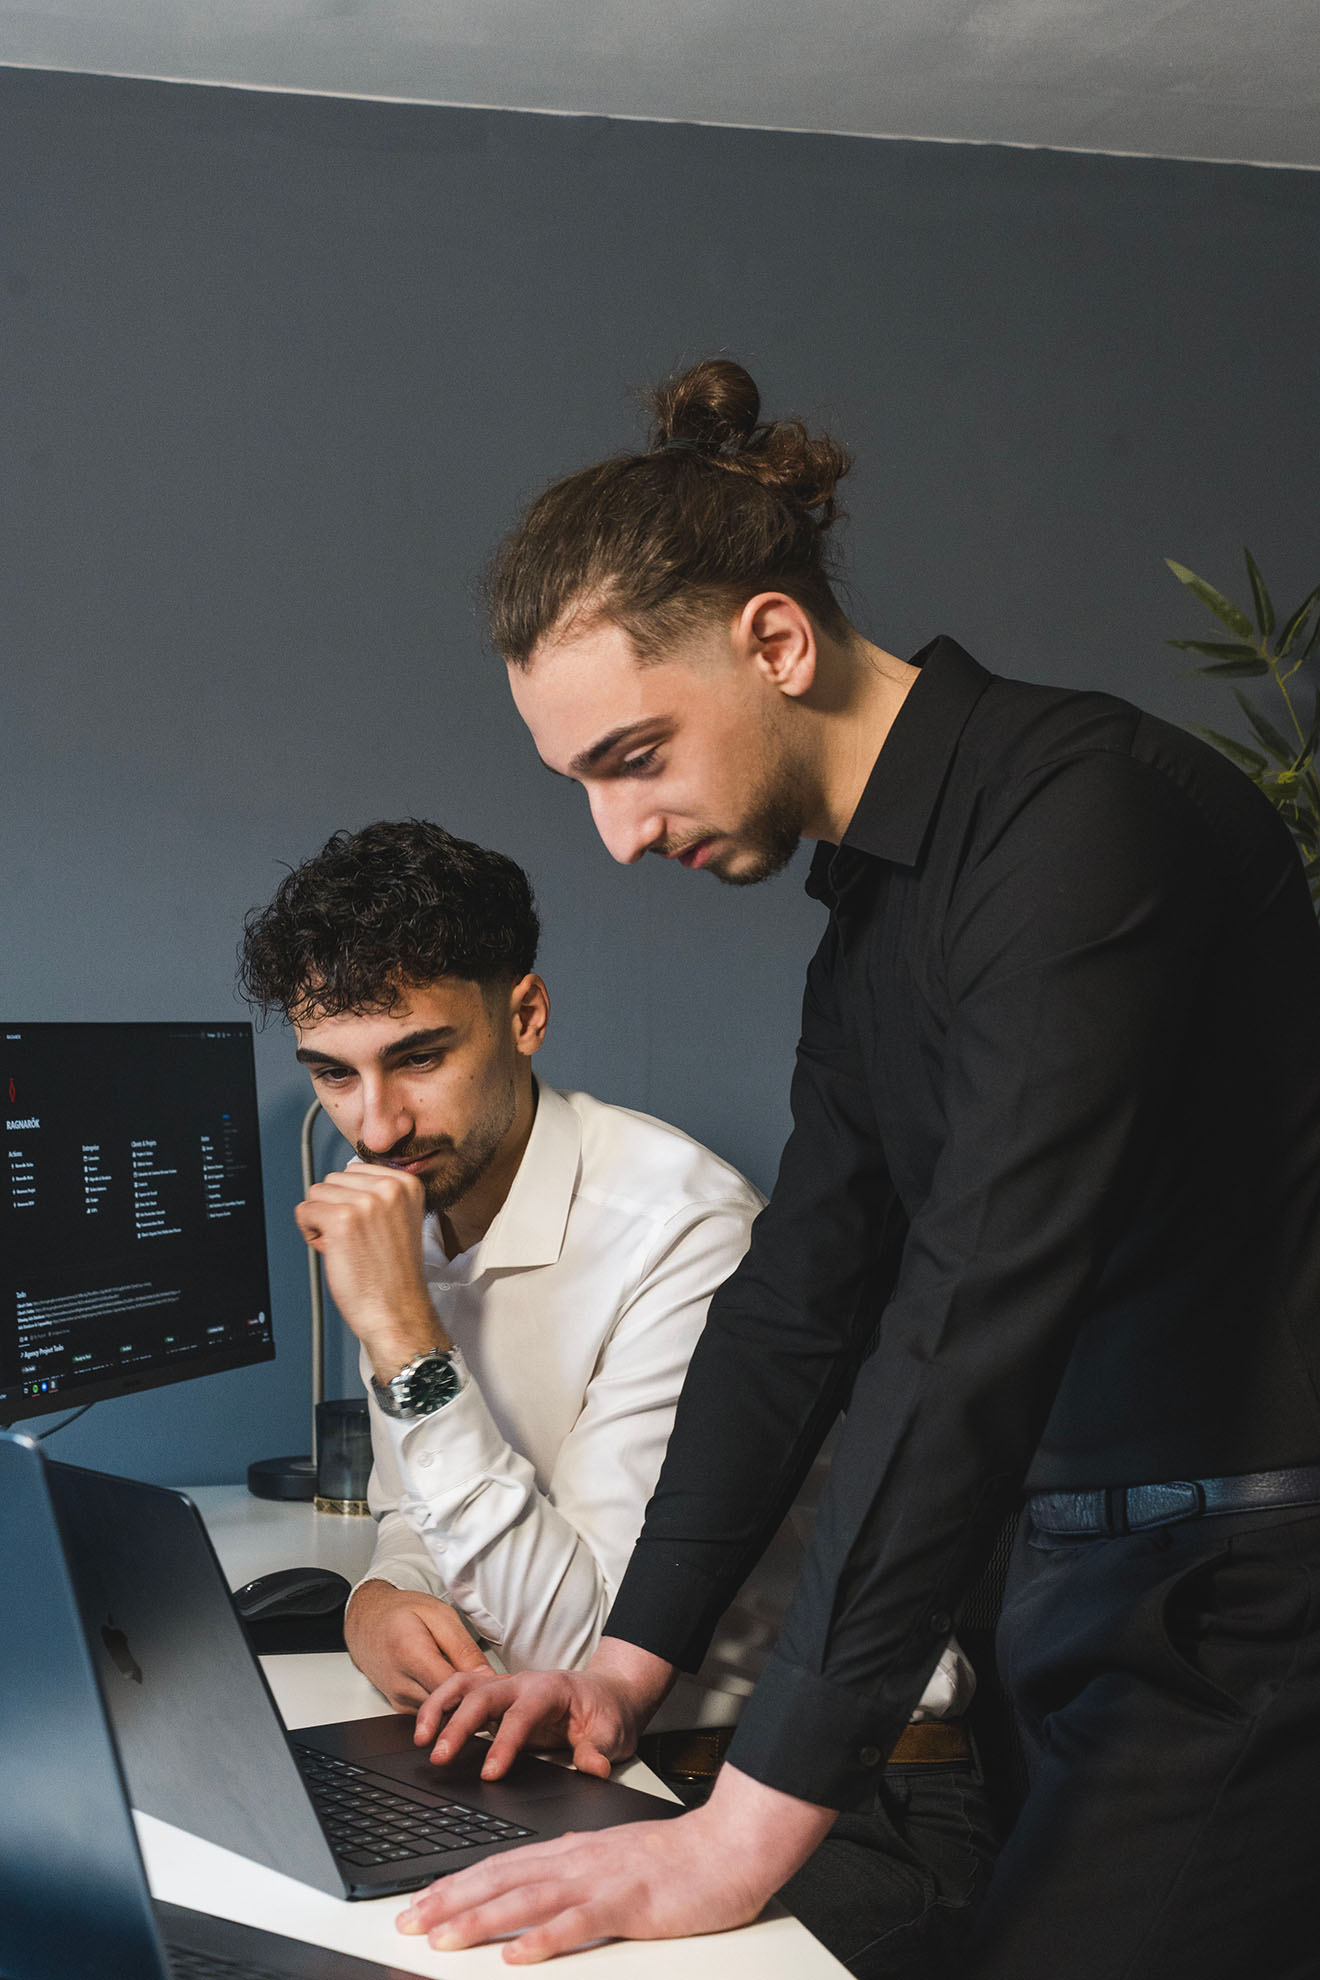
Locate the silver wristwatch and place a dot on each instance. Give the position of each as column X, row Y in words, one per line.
column 422, row 1385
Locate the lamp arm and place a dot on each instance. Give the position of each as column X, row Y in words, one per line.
column 315, row 1284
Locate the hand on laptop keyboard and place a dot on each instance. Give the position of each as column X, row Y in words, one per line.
column 591, row 1713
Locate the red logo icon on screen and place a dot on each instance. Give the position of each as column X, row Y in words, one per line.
column 12, row 1094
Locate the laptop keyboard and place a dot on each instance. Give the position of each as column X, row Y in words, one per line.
column 366, row 1823
column 187, row 1964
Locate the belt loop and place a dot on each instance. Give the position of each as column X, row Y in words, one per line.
column 1116, row 1509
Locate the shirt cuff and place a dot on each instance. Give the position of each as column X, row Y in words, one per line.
column 667, row 1606
column 399, row 1574
column 458, row 1441
column 810, row 1738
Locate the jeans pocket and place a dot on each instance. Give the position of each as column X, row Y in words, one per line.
column 958, row 1835
column 1232, row 1624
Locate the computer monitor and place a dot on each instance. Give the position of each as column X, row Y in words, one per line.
column 132, row 1228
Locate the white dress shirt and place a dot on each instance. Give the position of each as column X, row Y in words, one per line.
column 574, row 1318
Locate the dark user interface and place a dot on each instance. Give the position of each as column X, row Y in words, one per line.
column 132, row 1232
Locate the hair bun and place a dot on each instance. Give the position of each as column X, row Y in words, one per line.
column 722, row 506
column 715, row 409
column 715, row 406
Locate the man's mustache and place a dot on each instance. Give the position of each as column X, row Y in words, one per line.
column 410, row 1149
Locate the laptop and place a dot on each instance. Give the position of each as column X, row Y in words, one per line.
column 354, row 1809
column 74, row 1902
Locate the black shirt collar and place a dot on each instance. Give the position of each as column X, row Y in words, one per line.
column 902, row 791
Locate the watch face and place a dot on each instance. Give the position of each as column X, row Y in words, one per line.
column 427, row 1387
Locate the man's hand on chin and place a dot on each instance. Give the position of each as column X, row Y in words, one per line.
column 407, row 1643
column 706, row 1871
column 366, row 1223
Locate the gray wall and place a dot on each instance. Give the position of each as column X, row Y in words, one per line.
column 277, row 372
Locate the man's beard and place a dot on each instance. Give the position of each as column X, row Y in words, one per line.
column 772, row 832
column 468, row 1160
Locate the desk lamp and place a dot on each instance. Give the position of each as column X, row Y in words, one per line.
column 295, row 1477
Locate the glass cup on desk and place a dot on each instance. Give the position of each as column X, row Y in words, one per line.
column 343, row 1456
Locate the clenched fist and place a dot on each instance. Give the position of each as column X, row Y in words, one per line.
column 367, row 1225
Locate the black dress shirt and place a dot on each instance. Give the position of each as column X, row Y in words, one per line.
column 1049, row 1213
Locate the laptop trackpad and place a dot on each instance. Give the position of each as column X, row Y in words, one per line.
column 529, row 1779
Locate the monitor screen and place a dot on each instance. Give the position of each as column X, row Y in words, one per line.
column 132, row 1230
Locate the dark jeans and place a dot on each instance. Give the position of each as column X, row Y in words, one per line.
column 1167, row 1686
column 891, row 1889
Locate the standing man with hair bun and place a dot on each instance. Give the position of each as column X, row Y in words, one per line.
column 1047, row 1230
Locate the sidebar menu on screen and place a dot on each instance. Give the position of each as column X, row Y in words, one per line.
column 132, row 1230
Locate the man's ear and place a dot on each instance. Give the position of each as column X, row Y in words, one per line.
column 529, row 1013
column 776, row 634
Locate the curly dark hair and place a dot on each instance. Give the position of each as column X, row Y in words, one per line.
column 378, row 910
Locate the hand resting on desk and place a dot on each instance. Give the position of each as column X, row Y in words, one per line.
column 407, row 1643
column 711, row 1869
column 707, row 1871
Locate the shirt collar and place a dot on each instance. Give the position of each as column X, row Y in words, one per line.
column 894, row 812
column 529, row 1227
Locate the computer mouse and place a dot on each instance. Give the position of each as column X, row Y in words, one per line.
column 299, row 1591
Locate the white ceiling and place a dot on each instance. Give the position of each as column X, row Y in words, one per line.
column 1217, row 79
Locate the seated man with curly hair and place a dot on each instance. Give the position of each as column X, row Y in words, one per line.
column 527, row 1271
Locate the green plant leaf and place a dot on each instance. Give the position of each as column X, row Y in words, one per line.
column 1263, row 602
column 1220, row 649
column 1279, row 748
column 1246, row 759
column 1307, row 844
column 1234, row 670
column 1306, row 754
column 1227, row 614
column 1294, row 625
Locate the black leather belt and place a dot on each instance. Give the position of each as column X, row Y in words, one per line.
column 1113, row 1509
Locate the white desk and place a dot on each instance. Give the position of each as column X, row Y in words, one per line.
column 252, row 1536
column 256, row 1536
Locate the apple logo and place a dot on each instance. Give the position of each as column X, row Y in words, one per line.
column 120, row 1655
